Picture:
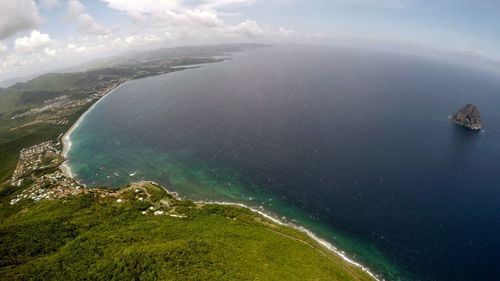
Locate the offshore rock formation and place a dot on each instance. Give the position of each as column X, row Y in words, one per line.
column 468, row 116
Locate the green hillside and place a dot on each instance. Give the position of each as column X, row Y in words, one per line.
column 95, row 237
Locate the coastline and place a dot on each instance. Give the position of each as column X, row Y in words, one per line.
column 66, row 140
column 66, row 170
column 330, row 247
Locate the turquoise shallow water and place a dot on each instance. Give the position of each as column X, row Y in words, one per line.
column 353, row 144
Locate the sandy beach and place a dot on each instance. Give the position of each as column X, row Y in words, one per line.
column 66, row 138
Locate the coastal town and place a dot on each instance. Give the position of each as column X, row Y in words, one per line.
column 40, row 169
column 50, row 186
column 65, row 102
column 37, row 157
column 57, row 185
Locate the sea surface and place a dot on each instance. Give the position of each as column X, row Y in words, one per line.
column 354, row 144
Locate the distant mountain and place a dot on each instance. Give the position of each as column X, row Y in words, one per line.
column 135, row 57
column 11, row 81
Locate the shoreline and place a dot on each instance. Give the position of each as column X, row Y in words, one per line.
column 66, row 170
column 329, row 246
column 66, row 140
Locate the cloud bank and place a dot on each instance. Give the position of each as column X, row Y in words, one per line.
column 25, row 44
column 17, row 16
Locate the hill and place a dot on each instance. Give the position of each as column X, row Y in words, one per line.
column 143, row 233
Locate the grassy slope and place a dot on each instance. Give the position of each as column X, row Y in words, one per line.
column 92, row 238
column 53, row 82
column 11, row 98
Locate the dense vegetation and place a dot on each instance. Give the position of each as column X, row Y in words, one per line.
column 91, row 237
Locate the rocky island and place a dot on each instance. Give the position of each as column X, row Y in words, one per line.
column 468, row 117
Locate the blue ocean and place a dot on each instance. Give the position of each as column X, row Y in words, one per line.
column 351, row 143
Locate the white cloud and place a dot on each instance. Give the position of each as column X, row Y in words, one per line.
column 167, row 13
column 75, row 7
column 18, row 15
column 225, row 3
column 186, row 22
column 85, row 23
column 397, row 4
column 285, row 32
column 251, row 29
column 188, row 18
column 50, row 52
column 152, row 6
column 3, row 48
column 193, row 20
column 135, row 40
column 74, row 49
column 248, row 28
column 35, row 41
column 315, row 35
column 139, row 11
column 144, row 6
column 155, row 24
column 49, row 4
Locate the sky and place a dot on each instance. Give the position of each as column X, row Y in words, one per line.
column 42, row 35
